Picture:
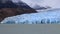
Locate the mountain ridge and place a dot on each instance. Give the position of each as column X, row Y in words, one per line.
column 11, row 9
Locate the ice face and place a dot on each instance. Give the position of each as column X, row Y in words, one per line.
column 47, row 17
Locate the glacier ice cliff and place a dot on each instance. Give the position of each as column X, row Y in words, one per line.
column 45, row 17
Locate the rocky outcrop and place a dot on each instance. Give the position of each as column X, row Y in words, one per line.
column 7, row 12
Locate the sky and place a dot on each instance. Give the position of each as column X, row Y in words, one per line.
column 51, row 3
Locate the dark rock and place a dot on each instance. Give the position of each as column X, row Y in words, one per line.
column 9, row 8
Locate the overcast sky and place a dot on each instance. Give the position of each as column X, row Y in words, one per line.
column 51, row 3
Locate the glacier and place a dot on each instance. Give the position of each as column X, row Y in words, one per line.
column 44, row 17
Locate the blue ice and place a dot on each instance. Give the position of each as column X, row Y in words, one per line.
column 45, row 17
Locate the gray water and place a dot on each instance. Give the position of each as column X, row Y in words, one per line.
column 29, row 29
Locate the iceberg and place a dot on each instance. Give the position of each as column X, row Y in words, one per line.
column 45, row 17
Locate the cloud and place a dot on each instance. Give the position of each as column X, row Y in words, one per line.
column 31, row 2
column 51, row 3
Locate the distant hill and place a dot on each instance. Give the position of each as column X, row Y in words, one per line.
column 38, row 7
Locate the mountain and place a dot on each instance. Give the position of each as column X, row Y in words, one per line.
column 23, row 5
column 9, row 8
column 11, row 4
column 8, row 4
column 38, row 7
